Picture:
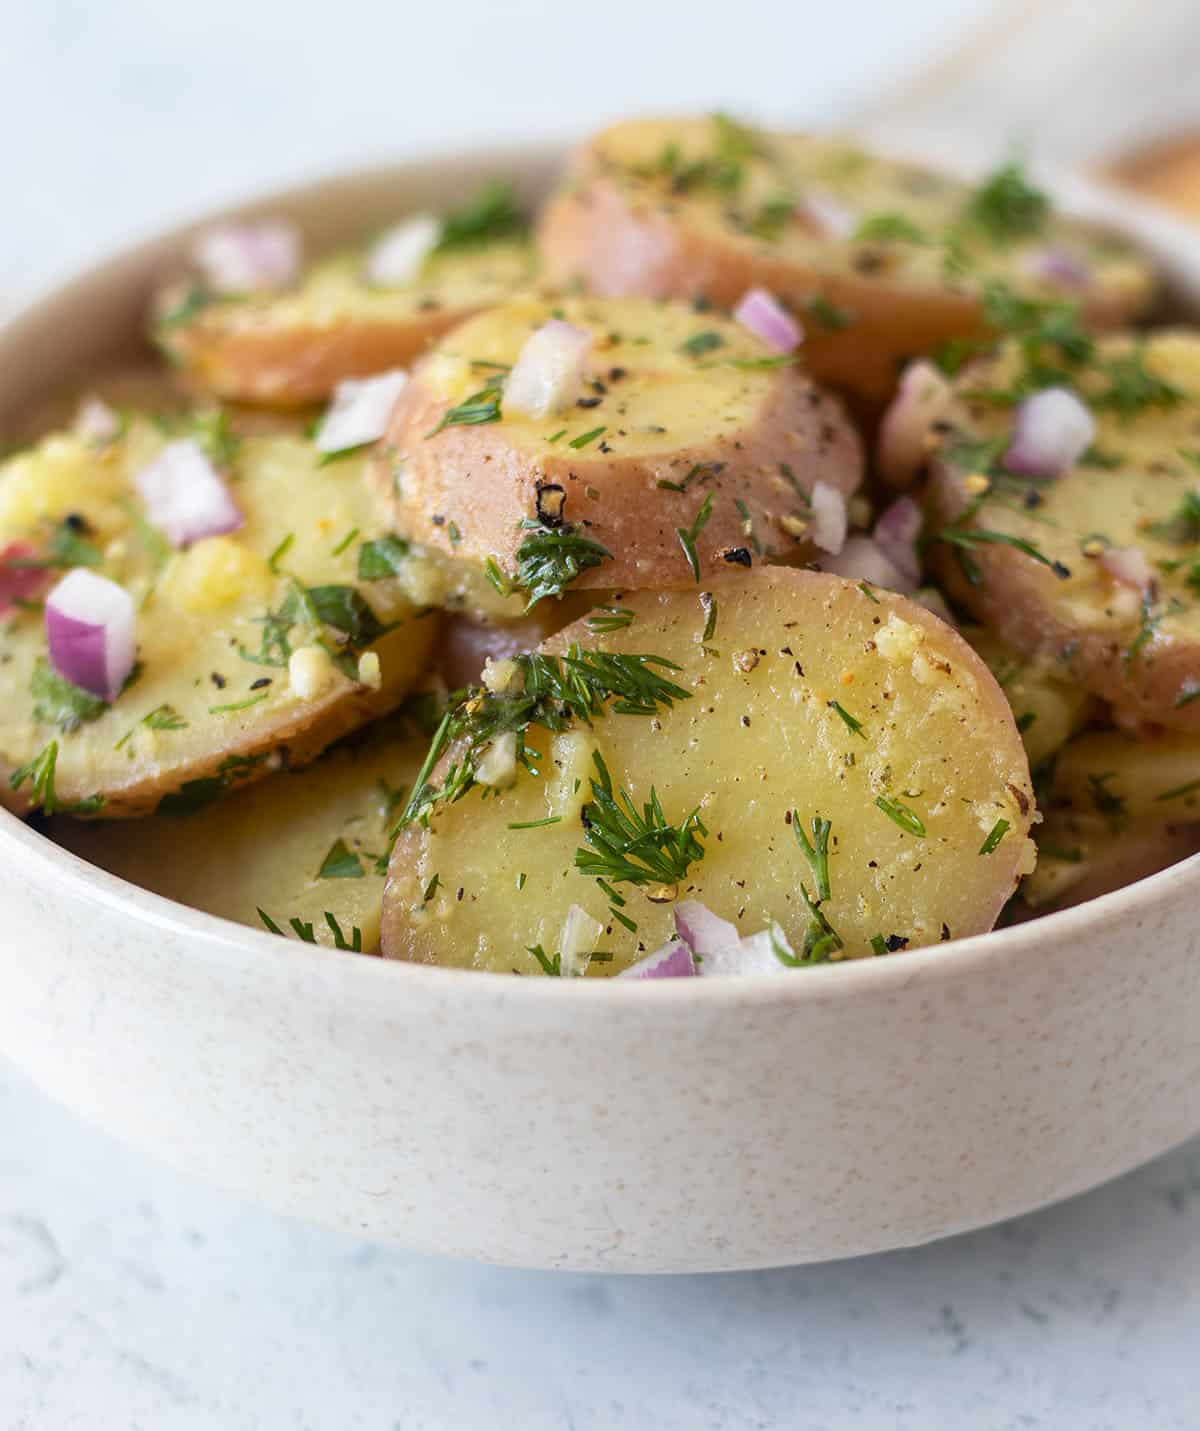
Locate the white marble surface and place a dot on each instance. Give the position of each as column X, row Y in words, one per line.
column 133, row 1300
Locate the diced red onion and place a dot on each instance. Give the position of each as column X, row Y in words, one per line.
column 249, row 258
column 700, row 929
column 755, row 954
column 1051, row 431
column 18, row 581
column 673, row 961
column 828, row 216
column 1058, row 266
column 896, row 534
column 923, row 397
column 96, row 422
column 769, row 320
column 1129, row 567
column 397, row 255
column 185, row 496
column 360, row 411
column 830, row 520
column 549, row 369
column 580, row 935
column 90, row 629
column 861, row 560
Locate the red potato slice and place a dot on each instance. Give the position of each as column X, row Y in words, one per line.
column 675, row 208
column 676, row 411
column 1099, row 589
column 293, row 348
column 811, row 694
column 1081, row 857
column 215, row 699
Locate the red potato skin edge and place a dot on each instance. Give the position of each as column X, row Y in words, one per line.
column 1014, row 600
column 622, row 245
column 473, row 477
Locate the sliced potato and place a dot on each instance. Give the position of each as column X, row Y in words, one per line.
column 811, row 695
column 468, row 642
column 858, row 246
column 1109, row 774
column 297, row 845
column 1067, row 594
column 213, row 700
column 1048, row 709
column 1081, row 857
column 293, row 348
column 676, row 408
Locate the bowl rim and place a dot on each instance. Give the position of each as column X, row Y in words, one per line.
column 226, row 940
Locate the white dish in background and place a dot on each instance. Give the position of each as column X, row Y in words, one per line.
column 614, row 1125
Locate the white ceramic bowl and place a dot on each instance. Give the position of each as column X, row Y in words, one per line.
column 612, row 1125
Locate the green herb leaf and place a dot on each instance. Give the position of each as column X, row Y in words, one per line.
column 908, row 820
column 854, row 726
column 340, row 863
column 703, row 342
column 995, row 835
column 586, row 437
column 687, row 535
column 382, row 558
column 631, row 846
column 816, row 851
column 56, row 701
column 1007, row 206
column 491, row 214
column 888, row 228
column 548, row 560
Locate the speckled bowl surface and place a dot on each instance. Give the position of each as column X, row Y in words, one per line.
column 608, row 1125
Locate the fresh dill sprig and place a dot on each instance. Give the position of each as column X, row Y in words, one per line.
column 1007, row 206
column 548, row 560
column 995, row 835
column 549, row 691
column 816, row 851
column 40, row 772
column 480, row 407
column 908, row 820
column 628, row 846
column 852, row 723
column 687, row 535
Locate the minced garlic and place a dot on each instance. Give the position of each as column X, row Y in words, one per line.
column 310, row 672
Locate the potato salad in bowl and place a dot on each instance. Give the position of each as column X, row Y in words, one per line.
column 766, row 555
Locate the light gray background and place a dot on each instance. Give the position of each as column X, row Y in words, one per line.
column 131, row 1298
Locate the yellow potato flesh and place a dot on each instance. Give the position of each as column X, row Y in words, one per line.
column 866, row 186
column 265, row 847
column 197, row 707
column 1110, row 774
column 1048, row 709
column 758, row 738
column 335, row 290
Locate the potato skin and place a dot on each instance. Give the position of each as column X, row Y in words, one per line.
column 759, row 737
column 264, row 846
column 1087, row 627
column 293, row 349
column 1082, row 857
column 197, row 610
column 620, row 230
column 468, row 489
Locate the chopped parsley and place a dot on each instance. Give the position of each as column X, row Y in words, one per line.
column 889, row 227
column 56, row 701
column 703, row 342
column 382, row 558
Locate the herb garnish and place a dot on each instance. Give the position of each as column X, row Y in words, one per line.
column 548, row 560
column 491, row 214
column 1007, row 206
column 551, row 692
column 995, row 835
column 888, row 227
column 908, row 820
column 816, row 851
column 854, row 726
column 382, row 558
column 631, row 846
column 586, row 437
column 687, row 535
column 164, row 717
column 1183, row 525
column 304, row 931
column 56, row 701
column 340, row 863
column 482, row 406
column 703, row 342
column 40, row 772
column 609, row 618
